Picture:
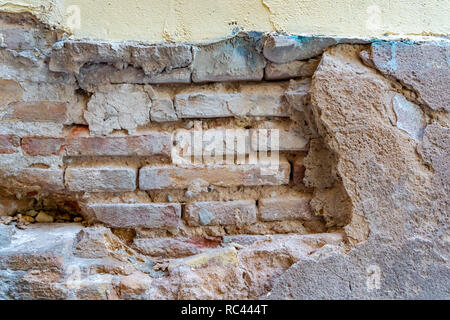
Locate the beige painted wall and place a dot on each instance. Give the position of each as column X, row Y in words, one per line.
column 200, row 20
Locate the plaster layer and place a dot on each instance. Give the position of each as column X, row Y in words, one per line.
column 203, row 20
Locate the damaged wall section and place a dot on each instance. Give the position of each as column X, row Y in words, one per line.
column 96, row 136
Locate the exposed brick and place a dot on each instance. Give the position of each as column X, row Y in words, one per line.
column 43, row 179
column 231, row 59
column 298, row 171
column 163, row 110
column 170, row 176
column 215, row 213
column 101, row 179
column 280, row 48
column 264, row 100
column 142, row 215
column 220, row 142
column 294, row 69
column 153, row 144
column 244, row 239
column 9, row 143
column 36, row 111
column 43, row 146
column 275, row 209
column 10, row 91
column 288, row 140
column 421, row 66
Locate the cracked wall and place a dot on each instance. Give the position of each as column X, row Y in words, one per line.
column 103, row 194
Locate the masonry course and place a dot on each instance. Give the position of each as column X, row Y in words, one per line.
column 100, row 166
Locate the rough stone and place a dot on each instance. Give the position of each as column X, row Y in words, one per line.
column 11, row 91
column 274, row 209
column 422, row 67
column 70, row 56
column 145, row 215
column 43, row 217
column 264, row 100
column 9, row 143
column 404, row 255
column 220, row 213
column 168, row 176
column 294, row 69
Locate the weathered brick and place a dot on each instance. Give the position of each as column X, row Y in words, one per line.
column 276, row 209
column 31, row 178
column 231, row 59
column 9, row 143
column 264, row 100
column 278, row 139
column 298, row 171
column 152, row 144
column 175, row 247
column 245, row 239
column 101, row 179
column 294, row 69
column 213, row 213
column 220, row 142
column 170, row 176
column 36, row 111
column 10, row 91
column 142, row 215
column 71, row 55
column 286, row 48
column 94, row 75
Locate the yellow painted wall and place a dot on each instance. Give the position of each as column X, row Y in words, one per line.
column 200, row 20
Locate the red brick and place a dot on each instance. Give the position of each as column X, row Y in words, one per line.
column 10, row 91
column 170, row 176
column 9, row 143
column 37, row 111
column 214, row 213
column 142, row 215
column 153, row 144
column 276, row 209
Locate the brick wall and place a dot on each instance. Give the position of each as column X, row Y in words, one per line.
column 173, row 140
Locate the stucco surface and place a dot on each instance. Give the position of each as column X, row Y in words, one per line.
column 202, row 20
